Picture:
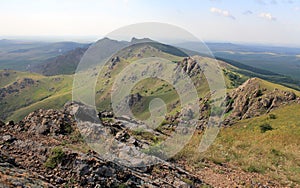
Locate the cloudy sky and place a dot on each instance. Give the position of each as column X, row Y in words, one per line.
column 250, row 21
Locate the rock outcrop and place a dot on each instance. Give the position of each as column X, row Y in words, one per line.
column 16, row 87
column 45, row 149
column 189, row 66
column 251, row 100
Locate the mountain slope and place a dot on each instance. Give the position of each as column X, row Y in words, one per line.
column 267, row 145
column 62, row 64
column 21, row 90
column 21, row 55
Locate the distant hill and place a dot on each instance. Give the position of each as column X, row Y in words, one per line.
column 281, row 60
column 21, row 55
column 68, row 61
column 62, row 64
column 261, row 73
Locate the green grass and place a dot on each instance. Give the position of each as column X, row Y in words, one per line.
column 274, row 151
column 47, row 92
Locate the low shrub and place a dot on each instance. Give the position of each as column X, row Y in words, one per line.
column 265, row 127
column 55, row 157
column 272, row 116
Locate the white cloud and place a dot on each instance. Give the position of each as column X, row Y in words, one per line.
column 297, row 8
column 220, row 12
column 267, row 16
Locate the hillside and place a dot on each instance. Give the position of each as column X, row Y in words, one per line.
column 259, row 135
column 54, row 91
column 275, row 136
column 22, row 93
column 21, row 55
column 62, row 64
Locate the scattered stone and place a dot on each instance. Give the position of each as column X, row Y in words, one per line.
column 8, row 138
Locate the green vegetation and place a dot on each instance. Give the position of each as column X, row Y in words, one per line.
column 272, row 116
column 234, row 79
column 55, row 158
column 244, row 144
column 141, row 134
column 273, row 152
column 21, row 97
column 187, row 181
column 268, row 144
column 267, row 61
column 55, row 91
column 265, row 127
column 249, row 71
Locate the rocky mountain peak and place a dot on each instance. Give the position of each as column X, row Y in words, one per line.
column 135, row 40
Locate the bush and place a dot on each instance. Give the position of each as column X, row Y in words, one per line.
column 272, row 116
column 55, row 158
column 265, row 127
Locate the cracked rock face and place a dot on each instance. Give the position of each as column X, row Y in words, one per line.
column 189, row 66
column 251, row 100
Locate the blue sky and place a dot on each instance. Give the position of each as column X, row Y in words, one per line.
column 249, row 21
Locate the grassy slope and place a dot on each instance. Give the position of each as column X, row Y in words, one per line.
column 48, row 92
column 275, row 152
column 54, row 102
column 271, row 86
column 149, row 88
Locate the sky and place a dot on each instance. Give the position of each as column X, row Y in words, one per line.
column 250, row 21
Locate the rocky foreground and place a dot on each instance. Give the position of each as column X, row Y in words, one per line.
column 46, row 150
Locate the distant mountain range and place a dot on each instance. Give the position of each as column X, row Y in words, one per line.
column 46, row 57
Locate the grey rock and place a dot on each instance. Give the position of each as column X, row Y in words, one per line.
column 8, row 138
